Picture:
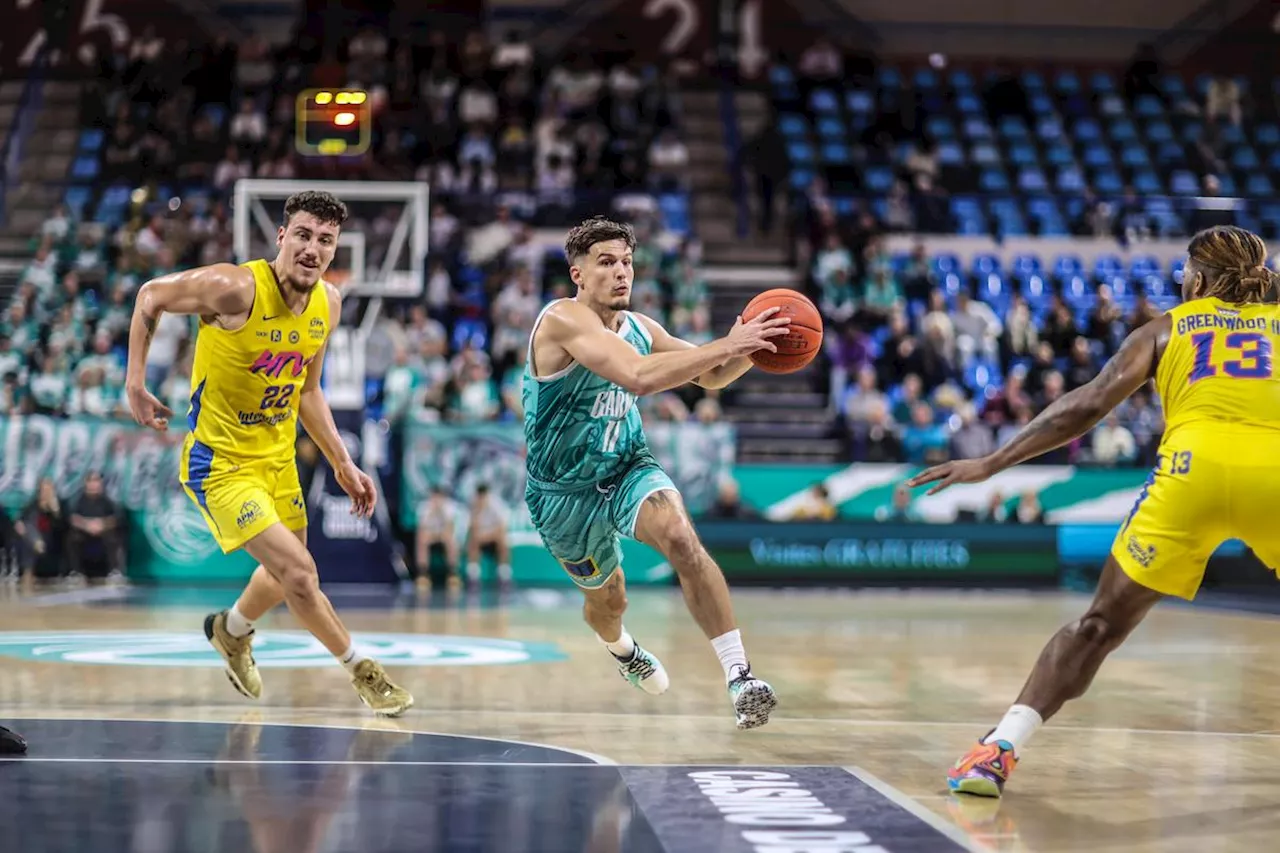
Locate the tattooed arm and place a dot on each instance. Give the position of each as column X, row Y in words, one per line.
column 221, row 290
column 1070, row 416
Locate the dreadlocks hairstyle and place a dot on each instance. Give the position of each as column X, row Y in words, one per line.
column 597, row 229
column 1233, row 262
column 322, row 205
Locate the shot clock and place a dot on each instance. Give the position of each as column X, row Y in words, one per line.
column 333, row 122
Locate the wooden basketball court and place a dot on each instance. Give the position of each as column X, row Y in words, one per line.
column 512, row 745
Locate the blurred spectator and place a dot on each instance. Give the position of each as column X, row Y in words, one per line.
column 1112, row 443
column 1222, row 101
column 972, row 439
column 95, row 535
column 816, row 505
column 899, row 509
column 1028, row 510
column 924, row 442
column 42, row 528
column 729, row 503
column 487, row 530
column 436, row 534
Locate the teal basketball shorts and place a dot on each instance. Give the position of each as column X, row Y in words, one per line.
column 582, row 528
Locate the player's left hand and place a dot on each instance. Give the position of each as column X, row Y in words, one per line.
column 359, row 487
column 951, row 473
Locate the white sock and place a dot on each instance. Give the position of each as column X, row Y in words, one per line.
column 473, row 571
column 237, row 624
column 733, row 657
column 504, row 571
column 1017, row 727
column 623, row 647
column 350, row 658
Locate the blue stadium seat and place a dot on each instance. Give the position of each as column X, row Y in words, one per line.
column 945, row 264
column 985, row 264
column 1266, row 134
column 971, row 226
column 1134, row 156
column 1086, row 130
column 1065, row 266
column 1273, row 161
column 1122, row 130
column 1172, row 85
column 830, row 128
column 1170, row 152
column 1111, row 105
column 993, row 180
column 940, row 127
column 1147, row 182
column 1107, row 266
column 1184, row 183
column 1101, row 82
column 878, row 179
column 1097, row 155
column 800, row 152
column 1022, row 154
column 1245, row 158
column 76, row 198
column 1013, row 128
column 1070, row 180
column 1025, row 265
column 1175, row 269
column 781, row 74
column 860, row 103
column 950, row 154
column 1108, row 182
column 675, row 212
column 961, row 79
column 1059, row 154
column 1032, row 180
column 472, row 331
column 968, row 104
column 84, row 168
column 1259, row 185
column 1037, row 292
column 1227, row 185
column 984, row 154
column 844, row 205
column 977, row 128
column 1067, row 82
column 91, row 140
column 1148, row 106
column 1230, row 134
column 823, row 101
column 1041, row 104
column 925, row 78
column 1159, row 131
column 1192, row 131
column 793, row 126
column 889, row 77
column 1143, row 265
column 837, row 153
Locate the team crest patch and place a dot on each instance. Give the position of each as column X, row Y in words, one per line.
column 1141, row 554
column 317, row 329
column 294, row 336
column 297, row 504
column 582, row 568
column 249, row 513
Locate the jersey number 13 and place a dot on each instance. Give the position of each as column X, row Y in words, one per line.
column 1250, row 356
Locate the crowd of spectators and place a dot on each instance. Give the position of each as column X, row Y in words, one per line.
column 916, row 374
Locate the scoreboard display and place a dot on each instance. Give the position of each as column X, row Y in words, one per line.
column 333, row 122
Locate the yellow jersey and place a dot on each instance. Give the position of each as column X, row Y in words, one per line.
column 246, row 382
column 1217, row 369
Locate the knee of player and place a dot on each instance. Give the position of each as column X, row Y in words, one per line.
column 683, row 548
column 1099, row 629
column 300, row 579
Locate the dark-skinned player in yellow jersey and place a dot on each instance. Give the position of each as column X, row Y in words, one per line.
column 1215, row 478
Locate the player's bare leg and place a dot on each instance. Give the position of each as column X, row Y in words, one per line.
column 286, row 559
column 497, row 540
column 1064, row 671
column 602, row 609
column 663, row 524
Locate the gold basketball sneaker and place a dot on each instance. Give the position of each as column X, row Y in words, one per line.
column 376, row 690
column 237, row 652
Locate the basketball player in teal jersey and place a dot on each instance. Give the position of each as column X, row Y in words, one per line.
column 591, row 477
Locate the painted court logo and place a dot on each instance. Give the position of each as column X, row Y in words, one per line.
column 271, row 649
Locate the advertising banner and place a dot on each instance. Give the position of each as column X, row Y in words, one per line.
column 167, row 536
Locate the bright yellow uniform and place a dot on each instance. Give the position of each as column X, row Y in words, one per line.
column 1218, row 469
column 238, row 460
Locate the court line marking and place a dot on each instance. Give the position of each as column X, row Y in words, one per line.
column 84, row 595
column 318, row 761
column 919, row 811
column 317, row 709
column 388, row 727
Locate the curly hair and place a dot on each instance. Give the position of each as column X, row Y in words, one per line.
column 1234, row 264
column 322, row 205
column 597, row 229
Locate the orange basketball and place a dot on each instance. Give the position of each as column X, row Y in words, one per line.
column 799, row 346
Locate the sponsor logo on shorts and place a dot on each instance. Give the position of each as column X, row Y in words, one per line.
column 256, row 418
column 582, row 568
column 249, row 513
column 279, row 650
column 297, row 503
column 317, row 329
column 1141, row 554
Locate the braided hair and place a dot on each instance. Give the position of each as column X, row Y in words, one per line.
column 1233, row 263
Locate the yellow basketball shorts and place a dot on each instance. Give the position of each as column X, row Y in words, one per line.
column 1202, row 492
column 240, row 499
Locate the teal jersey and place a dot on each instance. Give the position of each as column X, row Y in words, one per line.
column 580, row 428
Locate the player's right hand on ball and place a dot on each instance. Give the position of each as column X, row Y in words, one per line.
column 147, row 410
column 755, row 335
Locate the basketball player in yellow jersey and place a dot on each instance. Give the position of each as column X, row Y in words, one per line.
column 1213, row 362
column 264, row 328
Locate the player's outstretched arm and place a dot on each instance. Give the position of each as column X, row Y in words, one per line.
column 317, row 419
column 1070, row 416
column 212, row 290
column 717, row 377
column 579, row 331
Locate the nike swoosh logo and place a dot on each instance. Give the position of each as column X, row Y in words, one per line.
column 267, row 319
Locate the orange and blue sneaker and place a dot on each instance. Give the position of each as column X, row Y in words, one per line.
column 984, row 770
